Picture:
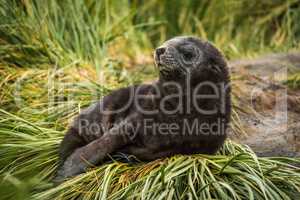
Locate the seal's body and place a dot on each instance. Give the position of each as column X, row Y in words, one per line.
column 186, row 111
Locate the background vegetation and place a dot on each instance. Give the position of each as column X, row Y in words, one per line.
column 59, row 56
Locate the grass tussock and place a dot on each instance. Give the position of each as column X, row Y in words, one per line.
column 59, row 56
column 234, row 173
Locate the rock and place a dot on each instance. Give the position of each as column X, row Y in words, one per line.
column 268, row 111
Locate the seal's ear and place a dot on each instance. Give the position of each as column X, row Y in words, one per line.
column 212, row 51
column 215, row 68
column 215, row 56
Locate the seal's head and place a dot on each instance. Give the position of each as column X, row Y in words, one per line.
column 186, row 55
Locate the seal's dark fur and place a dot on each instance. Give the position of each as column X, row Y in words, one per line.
column 128, row 127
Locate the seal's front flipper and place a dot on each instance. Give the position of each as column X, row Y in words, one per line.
column 93, row 153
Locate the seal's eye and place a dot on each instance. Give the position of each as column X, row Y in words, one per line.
column 187, row 55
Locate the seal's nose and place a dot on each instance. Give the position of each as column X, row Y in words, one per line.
column 160, row 51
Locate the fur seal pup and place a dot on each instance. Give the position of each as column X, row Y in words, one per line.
column 186, row 111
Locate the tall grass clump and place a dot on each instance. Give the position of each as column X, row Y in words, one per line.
column 36, row 32
column 58, row 32
column 30, row 151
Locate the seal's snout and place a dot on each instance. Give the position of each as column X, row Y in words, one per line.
column 158, row 53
